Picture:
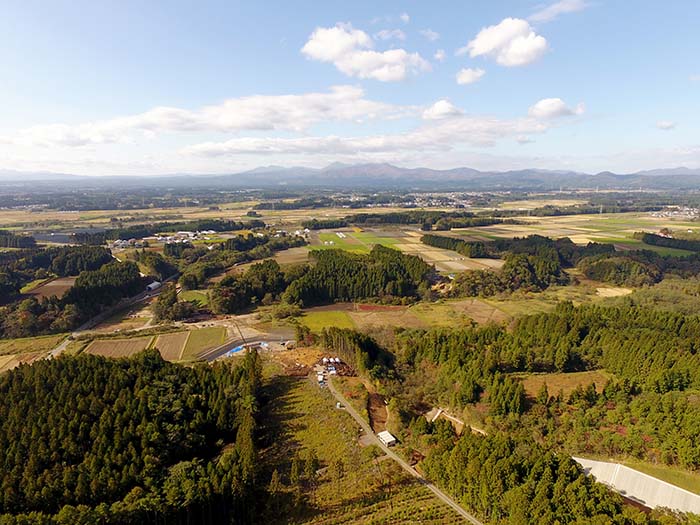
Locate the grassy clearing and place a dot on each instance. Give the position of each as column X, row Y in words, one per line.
column 366, row 491
column 318, row 320
column 34, row 284
column 199, row 296
column 566, row 382
column 203, row 339
column 30, row 344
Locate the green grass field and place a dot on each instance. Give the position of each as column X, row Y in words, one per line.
column 318, row 320
column 30, row 344
column 366, row 491
column 34, row 284
column 199, row 296
column 361, row 242
column 203, row 339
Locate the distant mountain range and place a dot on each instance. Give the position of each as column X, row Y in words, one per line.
column 375, row 176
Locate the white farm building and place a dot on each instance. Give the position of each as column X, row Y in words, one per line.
column 387, row 438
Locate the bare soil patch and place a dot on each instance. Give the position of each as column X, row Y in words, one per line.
column 55, row 287
column 118, row 347
column 171, row 346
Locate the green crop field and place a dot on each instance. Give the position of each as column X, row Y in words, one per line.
column 320, row 319
column 203, row 339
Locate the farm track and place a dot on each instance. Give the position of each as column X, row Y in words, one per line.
column 403, row 464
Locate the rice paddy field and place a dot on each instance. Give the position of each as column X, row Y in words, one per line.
column 30, row 344
column 617, row 229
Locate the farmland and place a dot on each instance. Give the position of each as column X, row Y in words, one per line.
column 52, row 287
column 203, row 339
column 30, row 344
column 118, row 347
column 171, row 346
column 565, row 383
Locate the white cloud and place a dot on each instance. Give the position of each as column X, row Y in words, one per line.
column 405, row 18
column 257, row 112
column 469, row 76
column 665, row 125
column 440, row 55
column 548, row 108
column 388, row 34
column 552, row 11
column 350, row 51
column 441, row 135
column 694, row 78
column 524, row 139
column 430, row 34
column 512, row 42
column 441, row 109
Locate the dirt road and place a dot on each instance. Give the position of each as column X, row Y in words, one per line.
column 408, row 468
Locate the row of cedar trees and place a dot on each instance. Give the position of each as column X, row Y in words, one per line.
column 92, row 440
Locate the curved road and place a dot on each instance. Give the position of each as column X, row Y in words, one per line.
column 408, row 468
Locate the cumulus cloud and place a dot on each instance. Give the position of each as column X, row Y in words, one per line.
column 469, row 75
column 441, row 109
column 258, row 112
column 552, row 11
column 405, row 18
column 441, row 135
column 388, row 34
column 430, row 34
column 665, row 125
column 511, row 43
column 549, row 108
column 350, row 51
column 440, row 55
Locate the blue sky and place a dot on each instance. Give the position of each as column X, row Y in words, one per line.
column 137, row 88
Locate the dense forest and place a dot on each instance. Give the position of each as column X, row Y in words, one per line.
column 383, row 274
column 92, row 440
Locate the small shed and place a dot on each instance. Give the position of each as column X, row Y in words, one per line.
column 387, row 438
column 153, row 286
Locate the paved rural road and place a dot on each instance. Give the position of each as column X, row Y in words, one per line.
column 408, row 468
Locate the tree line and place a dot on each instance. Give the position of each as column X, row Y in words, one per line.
column 93, row 440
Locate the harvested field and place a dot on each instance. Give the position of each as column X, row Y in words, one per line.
column 566, row 382
column 609, row 291
column 55, row 287
column 30, row 344
column 171, row 346
column 118, row 347
column 8, row 362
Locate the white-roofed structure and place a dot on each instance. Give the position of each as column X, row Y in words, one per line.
column 387, row 438
column 642, row 488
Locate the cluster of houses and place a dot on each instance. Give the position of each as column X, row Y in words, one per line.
column 184, row 236
column 124, row 244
